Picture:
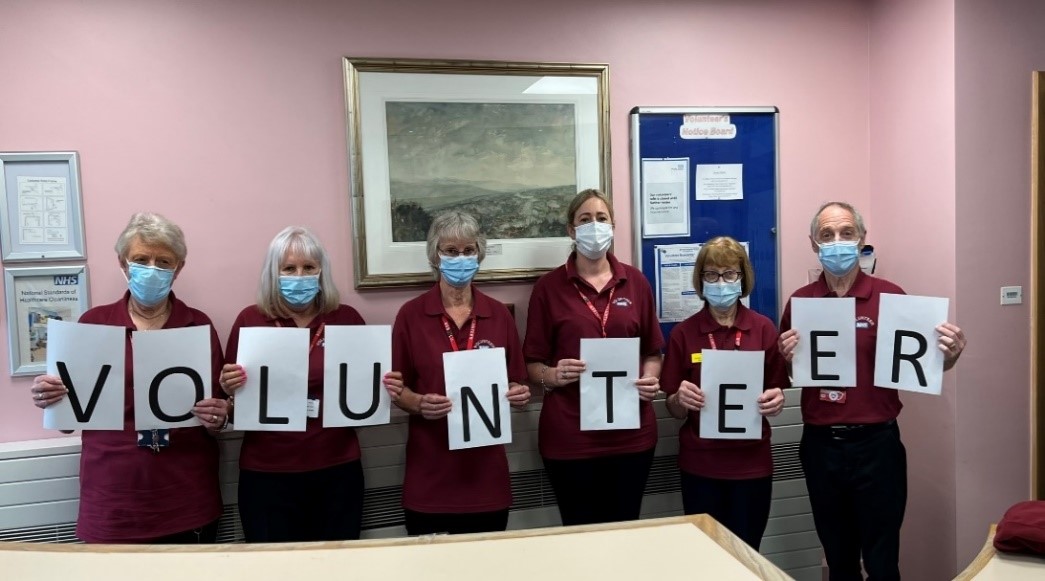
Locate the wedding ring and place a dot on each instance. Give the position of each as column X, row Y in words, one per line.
column 213, row 418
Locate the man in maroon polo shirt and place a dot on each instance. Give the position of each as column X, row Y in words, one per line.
column 854, row 461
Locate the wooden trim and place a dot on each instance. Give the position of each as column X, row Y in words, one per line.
column 1037, row 335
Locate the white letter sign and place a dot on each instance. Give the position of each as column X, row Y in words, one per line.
column 609, row 398
column 477, row 385
column 172, row 371
column 357, row 357
column 826, row 351
column 275, row 396
column 906, row 355
column 732, row 383
column 90, row 360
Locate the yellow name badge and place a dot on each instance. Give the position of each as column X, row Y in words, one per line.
column 694, row 358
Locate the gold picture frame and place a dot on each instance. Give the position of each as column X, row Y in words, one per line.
column 509, row 142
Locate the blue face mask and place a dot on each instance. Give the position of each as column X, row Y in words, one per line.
column 299, row 291
column 838, row 258
column 721, row 295
column 149, row 285
column 458, row 271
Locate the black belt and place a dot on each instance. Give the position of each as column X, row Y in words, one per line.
column 850, row 431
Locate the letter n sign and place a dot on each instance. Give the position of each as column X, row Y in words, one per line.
column 477, row 385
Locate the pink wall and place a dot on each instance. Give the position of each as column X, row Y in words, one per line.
column 912, row 204
column 215, row 113
column 999, row 44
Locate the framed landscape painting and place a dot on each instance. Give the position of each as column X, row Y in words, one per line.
column 510, row 143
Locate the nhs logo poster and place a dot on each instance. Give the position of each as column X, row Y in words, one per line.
column 35, row 296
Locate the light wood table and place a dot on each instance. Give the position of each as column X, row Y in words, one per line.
column 691, row 547
column 990, row 565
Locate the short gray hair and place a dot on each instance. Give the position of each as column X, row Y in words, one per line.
column 453, row 224
column 152, row 228
column 303, row 241
column 845, row 206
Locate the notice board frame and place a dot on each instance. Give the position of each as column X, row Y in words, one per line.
column 657, row 133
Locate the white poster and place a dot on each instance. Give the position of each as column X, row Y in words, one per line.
column 826, row 351
column 356, row 359
column 90, row 360
column 172, row 371
column 906, row 355
column 665, row 197
column 477, row 385
column 609, row 398
column 732, row 383
column 275, row 396
column 43, row 210
column 676, row 296
column 723, row 181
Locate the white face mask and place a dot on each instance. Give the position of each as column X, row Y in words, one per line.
column 594, row 239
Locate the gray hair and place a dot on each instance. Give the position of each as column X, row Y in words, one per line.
column 303, row 241
column 845, row 206
column 453, row 224
column 152, row 228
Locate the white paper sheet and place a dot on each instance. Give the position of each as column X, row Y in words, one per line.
column 357, row 358
column 182, row 357
column 477, row 385
column 43, row 210
column 909, row 322
column 280, row 357
column 732, row 382
column 665, row 197
column 724, row 181
column 826, row 351
column 613, row 362
column 90, row 360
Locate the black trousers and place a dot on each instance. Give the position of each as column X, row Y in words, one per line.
column 205, row 535
column 597, row 490
column 319, row 505
column 742, row 506
column 427, row 523
column 857, row 480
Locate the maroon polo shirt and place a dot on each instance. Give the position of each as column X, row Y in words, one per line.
column 865, row 403
column 132, row 494
column 437, row 479
column 317, row 447
column 726, row 459
column 558, row 319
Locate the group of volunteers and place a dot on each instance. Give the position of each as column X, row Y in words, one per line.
column 161, row 486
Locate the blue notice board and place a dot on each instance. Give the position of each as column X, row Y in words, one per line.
column 698, row 173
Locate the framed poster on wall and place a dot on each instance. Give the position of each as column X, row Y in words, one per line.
column 36, row 295
column 42, row 206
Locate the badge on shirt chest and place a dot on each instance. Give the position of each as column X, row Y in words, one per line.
column 832, row 395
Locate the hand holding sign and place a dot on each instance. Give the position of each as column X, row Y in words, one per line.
column 477, row 385
column 690, row 396
column 904, row 357
column 89, row 359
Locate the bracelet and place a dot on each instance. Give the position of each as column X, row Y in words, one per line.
column 544, row 386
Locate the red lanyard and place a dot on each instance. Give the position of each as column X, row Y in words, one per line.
column 736, row 343
column 453, row 340
column 601, row 318
column 316, row 339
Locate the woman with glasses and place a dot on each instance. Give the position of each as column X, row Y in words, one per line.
column 297, row 486
column 732, row 480
column 451, row 491
column 597, row 476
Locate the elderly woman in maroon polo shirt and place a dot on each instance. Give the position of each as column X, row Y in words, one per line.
column 597, row 476
column 156, row 486
column 451, row 491
column 732, row 480
column 297, row 486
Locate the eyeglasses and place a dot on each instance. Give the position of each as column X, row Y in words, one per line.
column 453, row 252
column 728, row 275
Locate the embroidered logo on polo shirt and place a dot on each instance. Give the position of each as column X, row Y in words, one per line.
column 484, row 344
column 622, row 302
column 864, row 322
